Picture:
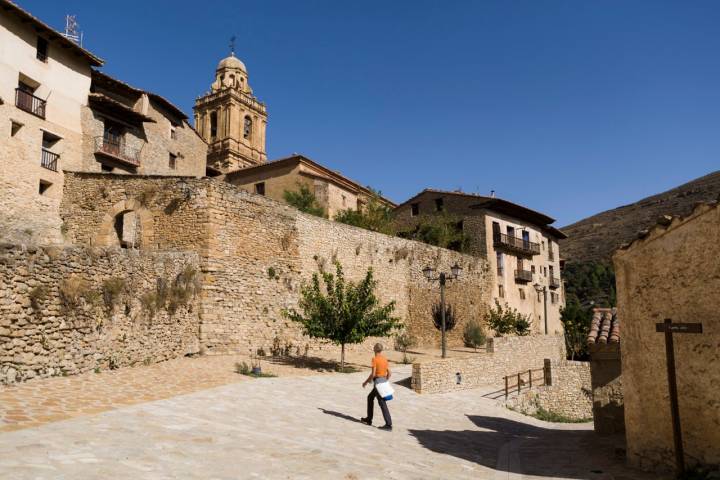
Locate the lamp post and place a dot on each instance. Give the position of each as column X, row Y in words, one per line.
column 543, row 289
column 442, row 277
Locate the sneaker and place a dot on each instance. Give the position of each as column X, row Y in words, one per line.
column 366, row 421
column 386, row 427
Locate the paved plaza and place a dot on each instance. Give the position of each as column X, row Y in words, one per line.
column 306, row 428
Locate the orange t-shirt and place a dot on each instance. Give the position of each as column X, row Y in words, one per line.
column 381, row 365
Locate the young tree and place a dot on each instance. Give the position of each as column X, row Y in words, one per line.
column 450, row 317
column 474, row 334
column 304, row 200
column 375, row 216
column 507, row 320
column 403, row 342
column 343, row 312
column 442, row 230
column 576, row 323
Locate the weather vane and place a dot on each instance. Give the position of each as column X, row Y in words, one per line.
column 232, row 45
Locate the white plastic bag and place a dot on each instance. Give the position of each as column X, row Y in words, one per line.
column 385, row 390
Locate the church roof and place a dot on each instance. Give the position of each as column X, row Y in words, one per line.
column 231, row 62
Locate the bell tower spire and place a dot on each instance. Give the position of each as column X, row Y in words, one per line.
column 231, row 119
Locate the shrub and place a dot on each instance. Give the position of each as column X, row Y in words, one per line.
column 442, row 230
column 72, row 290
column 474, row 335
column 112, row 291
column 37, row 296
column 450, row 317
column 402, row 343
column 375, row 216
column 149, row 303
column 507, row 320
column 304, row 200
column 242, row 368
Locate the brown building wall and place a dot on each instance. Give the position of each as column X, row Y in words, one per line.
column 672, row 273
column 608, row 407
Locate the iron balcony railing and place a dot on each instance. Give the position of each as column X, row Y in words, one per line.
column 554, row 282
column 523, row 275
column 115, row 147
column 49, row 160
column 516, row 244
column 30, row 103
column 551, row 254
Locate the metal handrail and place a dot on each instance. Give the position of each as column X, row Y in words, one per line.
column 517, row 243
column 524, row 275
column 49, row 160
column 554, row 282
column 28, row 102
column 116, row 147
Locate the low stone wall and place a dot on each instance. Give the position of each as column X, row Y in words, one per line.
column 503, row 356
column 72, row 310
column 570, row 394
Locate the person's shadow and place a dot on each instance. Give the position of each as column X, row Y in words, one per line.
column 339, row 415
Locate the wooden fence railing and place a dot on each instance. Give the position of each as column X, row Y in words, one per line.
column 544, row 378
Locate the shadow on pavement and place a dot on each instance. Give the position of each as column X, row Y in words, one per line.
column 539, row 451
column 405, row 382
column 313, row 363
column 339, row 415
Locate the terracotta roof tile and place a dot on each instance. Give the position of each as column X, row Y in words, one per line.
column 604, row 327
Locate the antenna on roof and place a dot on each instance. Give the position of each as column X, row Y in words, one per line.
column 492, row 193
column 72, row 31
column 232, row 46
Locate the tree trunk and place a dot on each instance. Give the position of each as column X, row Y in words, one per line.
column 342, row 357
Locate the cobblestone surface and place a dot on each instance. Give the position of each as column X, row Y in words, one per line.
column 306, row 428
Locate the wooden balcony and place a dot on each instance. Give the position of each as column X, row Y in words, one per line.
column 116, row 149
column 30, row 103
column 524, row 276
column 554, row 282
column 49, row 160
column 516, row 245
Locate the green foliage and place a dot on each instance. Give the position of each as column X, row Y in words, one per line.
column 590, row 283
column 402, row 343
column 375, row 216
column 474, row 335
column 450, row 317
column 507, row 320
column 304, row 200
column 442, row 230
column 343, row 312
column 271, row 273
column 576, row 323
column 244, row 369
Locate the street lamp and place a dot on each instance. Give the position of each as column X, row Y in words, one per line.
column 543, row 289
column 429, row 273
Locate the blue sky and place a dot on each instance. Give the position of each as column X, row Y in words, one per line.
column 568, row 107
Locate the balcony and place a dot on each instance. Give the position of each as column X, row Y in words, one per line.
column 524, row 276
column 30, row 103
column 49, row 160
column 116, row 149
column 516, row 245
column 554, row 282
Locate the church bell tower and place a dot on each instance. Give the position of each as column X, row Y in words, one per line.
column 231, row 120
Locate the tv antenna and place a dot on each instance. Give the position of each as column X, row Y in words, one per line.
column 72, row 31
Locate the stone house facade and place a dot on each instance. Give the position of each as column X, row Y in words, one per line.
column 131, row 131
column 44, row 83
column 520, row 245
column 671, row 272
column 333, row 191
column 603, row 343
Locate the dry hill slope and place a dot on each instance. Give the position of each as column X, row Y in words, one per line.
column 596, row 238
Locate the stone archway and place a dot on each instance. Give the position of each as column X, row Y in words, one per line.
column 127, row 224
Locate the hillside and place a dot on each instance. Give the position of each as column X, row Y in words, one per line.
column 596, row 238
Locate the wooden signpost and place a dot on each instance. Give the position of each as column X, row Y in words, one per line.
column 668, row 327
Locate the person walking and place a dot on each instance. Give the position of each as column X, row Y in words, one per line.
column 380, row 372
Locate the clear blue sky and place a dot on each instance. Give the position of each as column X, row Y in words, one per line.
column 568, row 107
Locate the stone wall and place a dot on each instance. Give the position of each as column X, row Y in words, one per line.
column 503, row 356
column 569, row 395
column 256, row 253
column 608, row 406
column 673, row 272
column 59, row 314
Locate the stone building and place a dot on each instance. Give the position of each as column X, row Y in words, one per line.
column 132, row 131
column 231, row 120
column 520, row 245
column 671, row 272
column 333, row 191
column 44, row 85
column 603, row 342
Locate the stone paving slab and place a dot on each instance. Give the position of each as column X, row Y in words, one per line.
column 306, row 428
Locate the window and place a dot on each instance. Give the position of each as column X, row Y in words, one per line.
column 173, row 132
column 414, row 209
column 15, row 127
column 510, row 231
column 532, row 269
column 500, row 263
column 42, row 49
column 343, row 200
column 554, row 297
column 439, row 205
column 260, row 188
column 522, row 293
column 48, row 158
column 501, row 291
column 213, row 125
column 172, row 161
column 44, row 186
column 247, row 129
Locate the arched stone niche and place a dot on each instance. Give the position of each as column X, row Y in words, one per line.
column 128, row 225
